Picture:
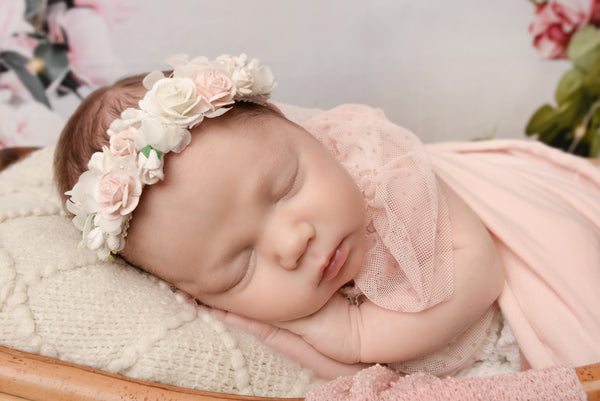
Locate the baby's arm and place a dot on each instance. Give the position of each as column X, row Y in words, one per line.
column 292, row 345
column 369, row 333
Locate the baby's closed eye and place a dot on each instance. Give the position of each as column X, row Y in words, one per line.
column 290, row 183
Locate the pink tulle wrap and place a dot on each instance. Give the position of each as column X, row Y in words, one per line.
column 542, row 207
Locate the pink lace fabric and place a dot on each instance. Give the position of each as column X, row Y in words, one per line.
column 379, row 383
column 409, row 266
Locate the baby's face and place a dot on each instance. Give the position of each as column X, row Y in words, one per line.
column 256, row 219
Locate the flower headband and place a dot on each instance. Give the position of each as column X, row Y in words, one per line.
column 105, row 196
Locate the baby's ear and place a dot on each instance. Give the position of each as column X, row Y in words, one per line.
column 274, row 108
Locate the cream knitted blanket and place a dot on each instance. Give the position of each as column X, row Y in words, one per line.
column 61, row 302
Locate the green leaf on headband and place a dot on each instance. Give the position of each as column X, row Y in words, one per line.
column 148, row 148
column 584, row 48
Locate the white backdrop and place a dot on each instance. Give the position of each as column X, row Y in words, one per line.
column 447, row 70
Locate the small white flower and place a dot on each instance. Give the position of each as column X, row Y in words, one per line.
column 263, row 80
column 129, row 118
column 252, row 79
column 82, row 199
column 165, row 138
column 101, row 162
column 243, row 80
column 111, row 225
column 94, row 239
column 175, row 101
column 150, row 168
column 104, row 253
column 115, row 242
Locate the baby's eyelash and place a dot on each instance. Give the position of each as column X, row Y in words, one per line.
column 293, row 184
column 249, row 265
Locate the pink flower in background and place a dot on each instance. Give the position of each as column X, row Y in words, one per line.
column 91, row 55
column 11, row 18
column 557, row 20
column 113, row 11
column 50, row 49
column 30, row 124
column 24, row 45
column 18, row 92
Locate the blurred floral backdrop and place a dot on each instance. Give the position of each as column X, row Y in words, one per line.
column 568, row 29
column 52, row 52
column 49, row 49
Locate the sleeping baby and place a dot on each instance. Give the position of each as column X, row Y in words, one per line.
column 345, row 237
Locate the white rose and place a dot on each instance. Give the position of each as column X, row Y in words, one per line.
column 101, row 162
column 115, row 242
column 263, row 80
column 94, row 239
column 165, row 138
column 150, row 168
column 82, row 201
column 129, row 118
column 112, row 225
column 243, row 81
column 176, row 101
column 252, row 78
column 226, row 63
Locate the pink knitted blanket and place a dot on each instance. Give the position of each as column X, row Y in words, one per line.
column 380, row 383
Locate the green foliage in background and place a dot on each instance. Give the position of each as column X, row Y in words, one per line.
column 573, row 124
column 48, row 70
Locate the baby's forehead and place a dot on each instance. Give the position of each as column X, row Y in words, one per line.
column 231, row 148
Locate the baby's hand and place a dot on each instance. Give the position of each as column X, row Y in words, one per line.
column 290, row 344
column 333, row 330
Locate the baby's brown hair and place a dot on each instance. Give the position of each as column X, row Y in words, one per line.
column 85, row 132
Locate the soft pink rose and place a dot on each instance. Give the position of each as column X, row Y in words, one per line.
column 29, row 124
column 13, row 37
column 118, row 193
column 123, row 143
column 557, row 20
column 12, row 18
column 91, row 55
column 9, row 81
column 215, row 87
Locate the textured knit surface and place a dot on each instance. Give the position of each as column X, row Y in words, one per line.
column 379, row 383
column 61, row 302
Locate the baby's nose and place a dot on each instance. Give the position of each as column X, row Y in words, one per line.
column 292, row 244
